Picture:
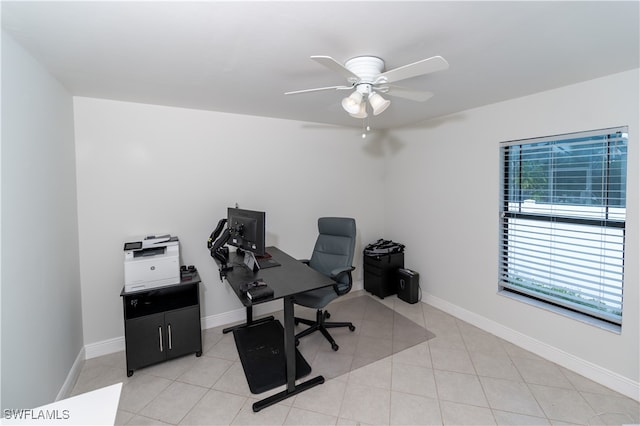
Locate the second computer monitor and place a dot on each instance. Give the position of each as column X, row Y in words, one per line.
column 247, row 228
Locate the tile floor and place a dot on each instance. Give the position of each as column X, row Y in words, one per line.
column 463, row 376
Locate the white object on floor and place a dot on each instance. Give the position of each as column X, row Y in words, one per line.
column 98, row 407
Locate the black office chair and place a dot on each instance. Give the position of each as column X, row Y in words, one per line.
column 332, row 256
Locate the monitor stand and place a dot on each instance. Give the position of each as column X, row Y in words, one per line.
column 251, row 262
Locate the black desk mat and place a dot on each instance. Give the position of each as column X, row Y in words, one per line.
column 261, row 350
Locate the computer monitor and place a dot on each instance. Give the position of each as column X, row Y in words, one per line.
column 247, row 230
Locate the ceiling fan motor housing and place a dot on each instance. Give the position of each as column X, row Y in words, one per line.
column 367, row 68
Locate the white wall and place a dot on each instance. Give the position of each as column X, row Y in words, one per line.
column 41, row 313
column 144, row 169
column 445, row 183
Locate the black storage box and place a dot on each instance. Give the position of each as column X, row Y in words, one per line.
column 408, row 285
column 380, row 273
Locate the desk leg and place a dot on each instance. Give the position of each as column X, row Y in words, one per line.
column 290, row 352
column 250, row 321
column 289, row 343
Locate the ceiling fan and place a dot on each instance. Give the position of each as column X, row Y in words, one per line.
column 366, row 75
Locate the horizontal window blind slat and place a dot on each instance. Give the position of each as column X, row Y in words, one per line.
column 613, row 316
column 543, row 281
column 604, row 255
column 539, row 272
column 589, row 243
column 570, row 136
column 585, row 273
column 612, row 302
column 595, row 299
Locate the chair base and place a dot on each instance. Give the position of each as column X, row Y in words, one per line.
column 321, row 325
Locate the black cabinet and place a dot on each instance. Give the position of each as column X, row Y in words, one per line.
column 380, row 273
column 162, row 323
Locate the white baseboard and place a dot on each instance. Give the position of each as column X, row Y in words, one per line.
column 106, row 347
column 585, row 368
column 72, row 376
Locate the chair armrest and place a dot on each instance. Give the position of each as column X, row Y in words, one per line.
column 337, row 274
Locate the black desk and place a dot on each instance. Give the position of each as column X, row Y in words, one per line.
column 287, row 280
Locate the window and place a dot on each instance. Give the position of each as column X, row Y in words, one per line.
column 562, row 220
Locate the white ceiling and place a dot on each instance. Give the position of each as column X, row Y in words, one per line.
column 240, row 57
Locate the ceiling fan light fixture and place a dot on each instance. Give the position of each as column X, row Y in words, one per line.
column 378, row 103
column 362, row 112
column 352, row 103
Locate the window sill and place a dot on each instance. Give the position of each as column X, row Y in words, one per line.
column 563, row 311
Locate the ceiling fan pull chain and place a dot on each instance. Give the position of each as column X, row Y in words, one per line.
column 365, row 127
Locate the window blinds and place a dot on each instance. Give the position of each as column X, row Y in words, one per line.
column 562, row 216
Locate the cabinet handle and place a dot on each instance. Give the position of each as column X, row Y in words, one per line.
column 169, row 329
column 160, row 338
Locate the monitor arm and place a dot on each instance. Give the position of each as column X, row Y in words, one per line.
column 216, row 233
column 216, row 243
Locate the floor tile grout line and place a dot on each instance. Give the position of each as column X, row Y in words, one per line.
column 435, row 384
column 475, row 370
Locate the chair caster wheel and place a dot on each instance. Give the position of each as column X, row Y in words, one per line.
column 129, row 373
column 352, row 328
column 297, row 342
column 335, row 347
column 327, row 315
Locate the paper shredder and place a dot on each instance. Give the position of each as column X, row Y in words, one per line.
column 408, row 285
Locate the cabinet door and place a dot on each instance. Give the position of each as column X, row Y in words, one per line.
column 146, row 341
column 183, row 332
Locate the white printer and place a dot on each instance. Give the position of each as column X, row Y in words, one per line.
column 150, row 262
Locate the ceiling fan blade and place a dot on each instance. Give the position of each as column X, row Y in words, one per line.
column 336, row 66
column 411, row 94
column 425, row 66
column 318, row 89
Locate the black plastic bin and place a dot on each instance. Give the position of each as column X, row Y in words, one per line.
column 380, row 273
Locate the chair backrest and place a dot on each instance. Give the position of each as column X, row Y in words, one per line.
column 334, row 247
